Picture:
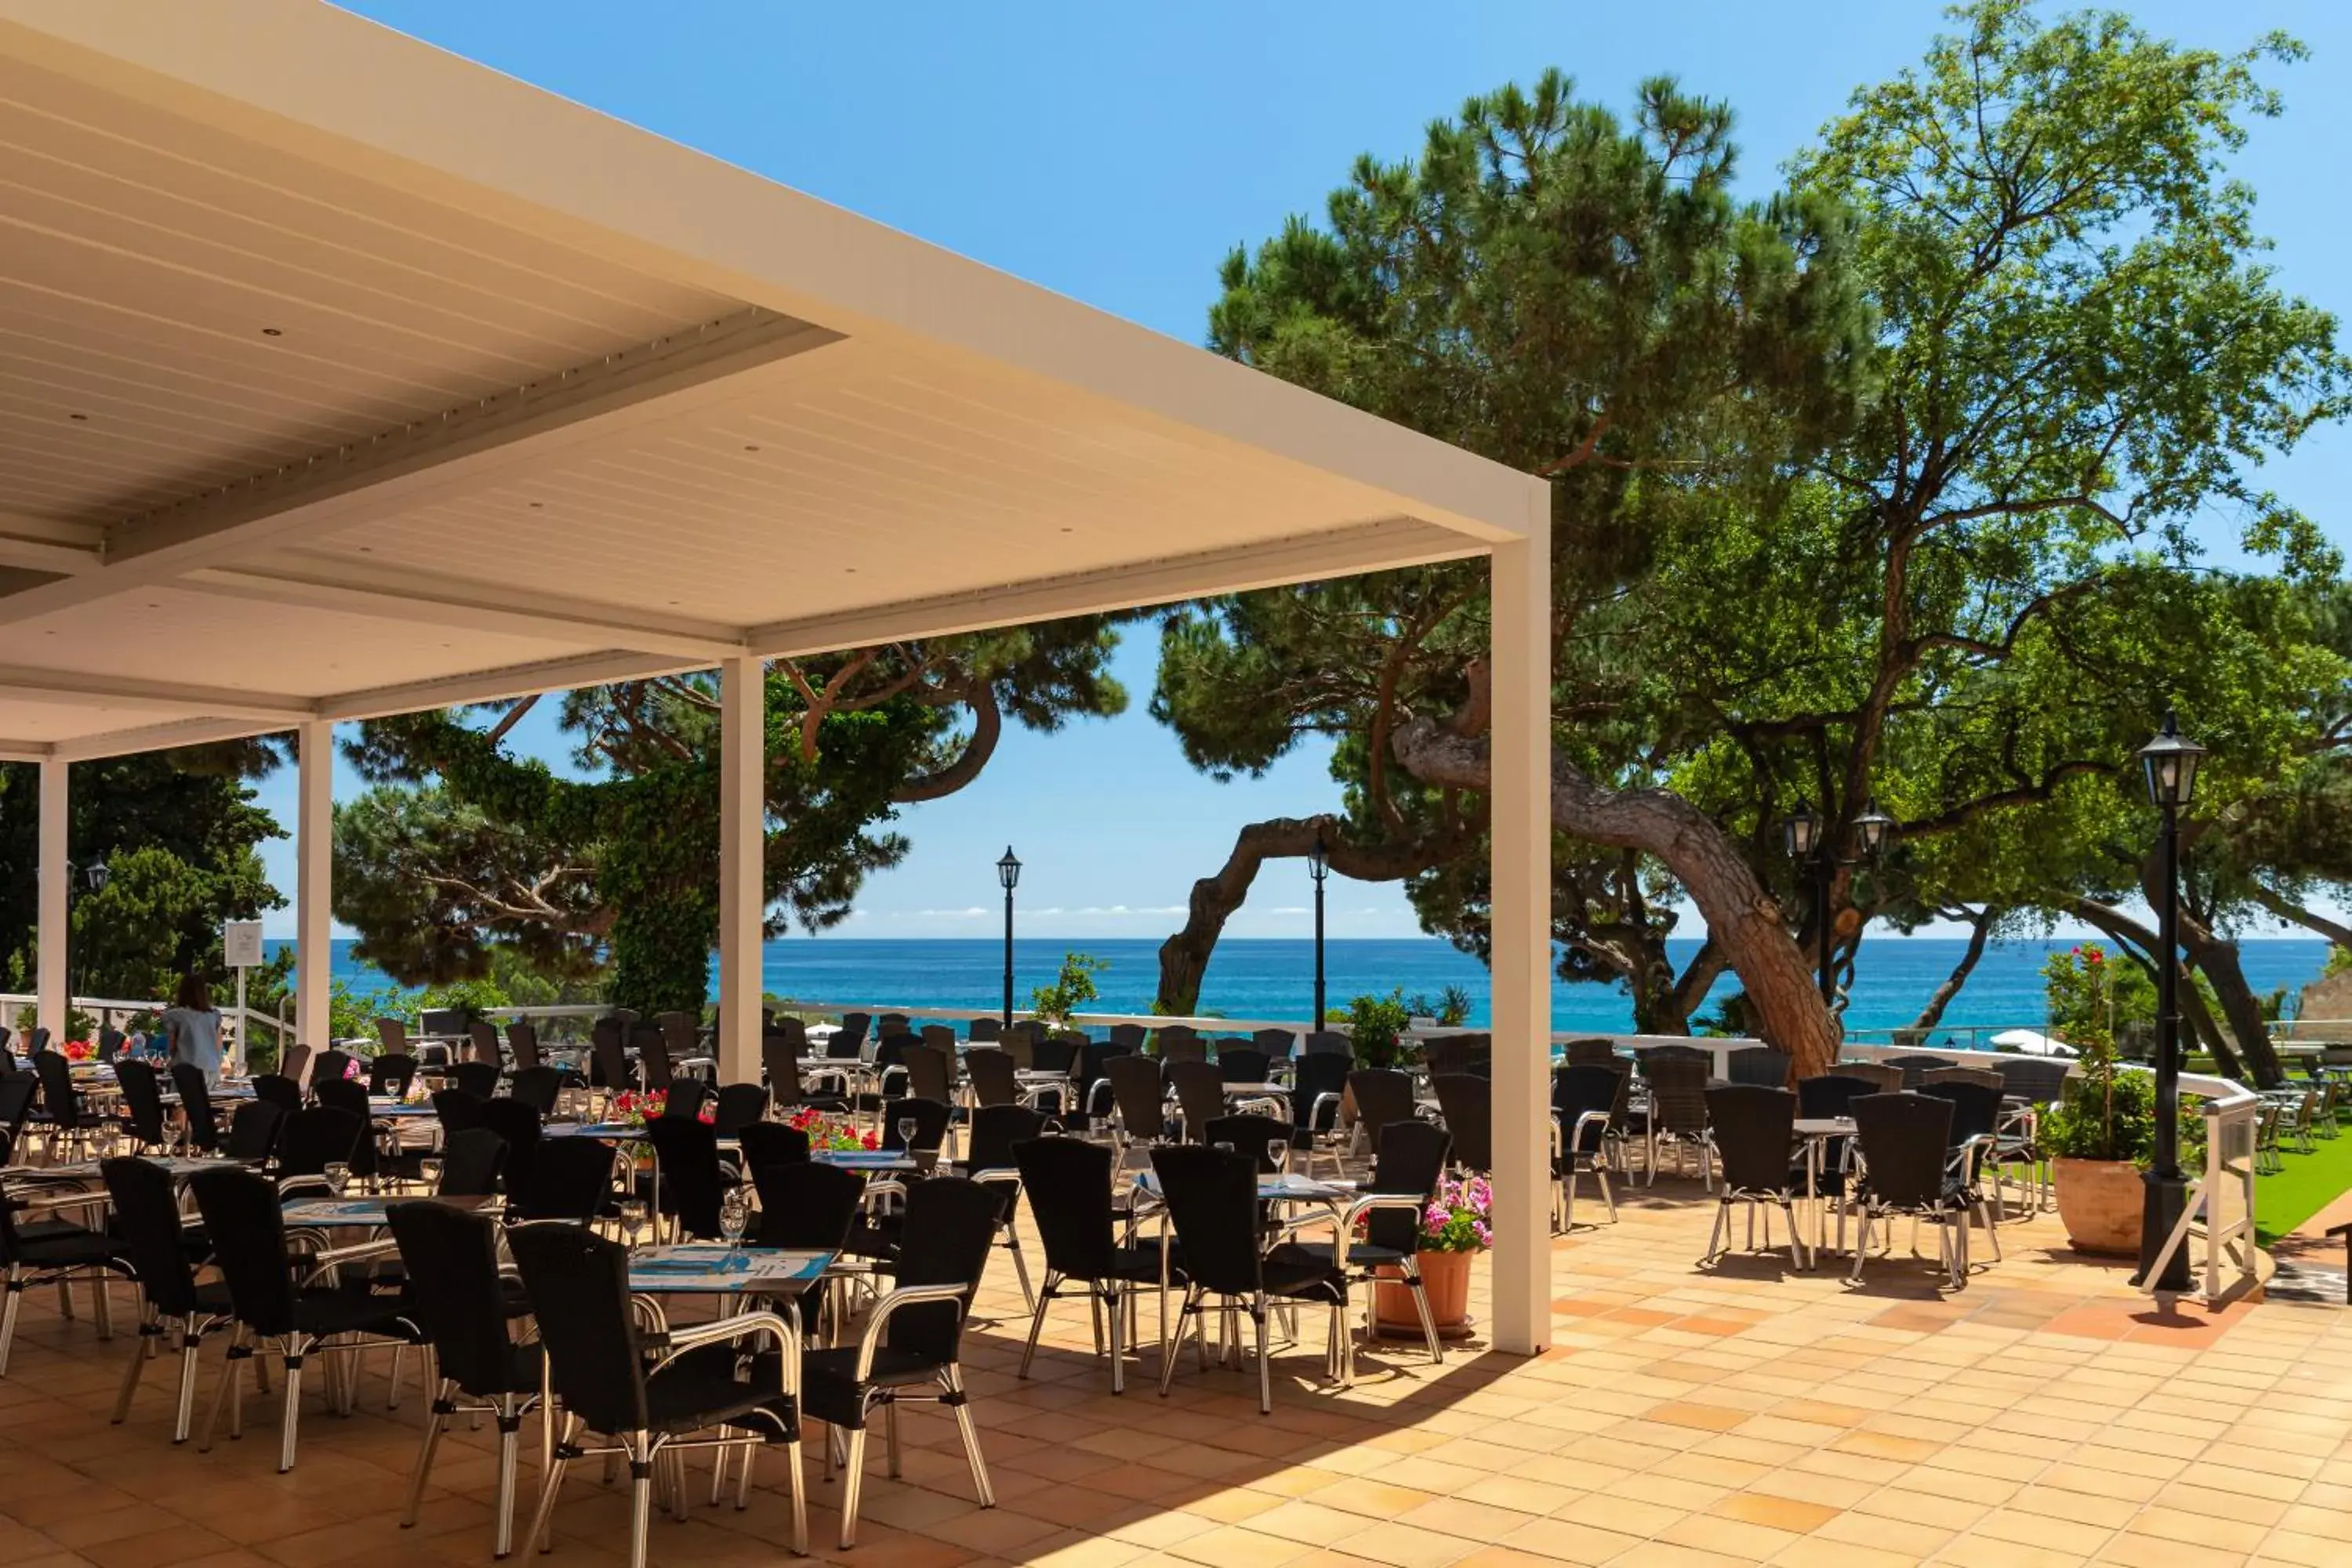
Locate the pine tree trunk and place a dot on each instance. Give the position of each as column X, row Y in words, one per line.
column 2217, row 959
column 1932, row 1013
column 1741, row 917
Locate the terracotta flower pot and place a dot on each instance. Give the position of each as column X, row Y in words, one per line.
column 2099, row 1204
column 1445, row 1279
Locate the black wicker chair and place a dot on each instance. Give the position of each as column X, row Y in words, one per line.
column 1905, row 1171
column 157, row 1248
column 1755, row 1137
column 1068, row 1180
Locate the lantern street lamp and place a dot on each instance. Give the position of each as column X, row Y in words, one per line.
column 1807, row 838
column 2169, row 764
column 1319, row 863
column 96, row 874
column 94, row 878
column 1008, row 871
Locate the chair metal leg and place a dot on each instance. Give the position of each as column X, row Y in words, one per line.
column 1265, row 1371
column 290, row 1417
column 890, row 1437
column 14, row 1288
column 149, row 1328
column 1038, row 1319
column 190, row 1340
column 1118, row 1349
column 952, row 1378
column 550, row 1483
column 509, row 1465
column 854, row 1465
column 799, row 1490
column 1860, row 1246
column 1020, row 1264
column 434, row 1417
column 641, row 1505
column 1170, row 1347
column 223, row 1391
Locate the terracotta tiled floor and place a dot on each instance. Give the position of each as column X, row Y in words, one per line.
column 1684, row 1417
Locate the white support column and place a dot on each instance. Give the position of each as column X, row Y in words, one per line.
column 314, row 861
column 742, row 856
column 54, row 937
column 1520, row 844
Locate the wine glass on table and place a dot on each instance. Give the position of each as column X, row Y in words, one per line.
column 734, row 1218
column 908, row 1128
column 633, row 1221
column 1277, row 1154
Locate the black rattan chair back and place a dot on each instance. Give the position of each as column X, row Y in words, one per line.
column 1313, row 1075
column 1830, row 1095
column 316, row 1137
column 451, row 1259
column 995, row 1129
column 948, row 1232
column 579, row 1287
column 517, row 1124
column 142, row 1101
column 1262, row 1138
column 196, row 1105
column 1755, row 1132
column 1902, row 1138
column 1582, row 1087
column 1054, row 1053
column 652, row 1046
column 1327, row 1043
column 608, row 1064
column 1139, row 1091
column 147, row 1218
column 248, row 1233
column 278, row 1089
column 292, row 1063
column 1409, row 1159
column 252, row 1130
column 457, row 1109
column 1200, row 1094
column 58, row 1096
column 930, row 1118
column 1592, row 1051
column 522, row 1040
column 1384, row 1097
column 1068, row 1184
column 1467, row 1101
column 470, row 1162
column 992, row 1077
column 931, row 1074
column 849, row 1040
column 1212, row 1200
column 1181, row 1043
column 1677, row 1090
column 536, row 1087
column 1983, row 1078
column 806, row 1204
column 686, row 1153
column 1887, row 1078
column 740, row 1105
column 1131, row 1036
column 1244, row 1063
column 1975, row 1109
column 392, row 1073
column 772, row 1143
column 478, row 1078
column 482, row 1042
column 2041, row 1079
column 1914, row 1065
column 570, row 1179
column 351, row 1096
column 1760, row 1065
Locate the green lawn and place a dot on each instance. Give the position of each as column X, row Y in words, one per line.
column 2308, row 1184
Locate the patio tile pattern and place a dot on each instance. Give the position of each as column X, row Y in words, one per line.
column 1682, row 1417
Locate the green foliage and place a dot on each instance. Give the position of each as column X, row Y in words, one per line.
column 2090, row 997
column 2339, row 959
column 178, row 831
column 1073, row 988
column 1451, row 1008
column 1376, row 1028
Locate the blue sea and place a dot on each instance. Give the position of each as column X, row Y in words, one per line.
column 1276, row 978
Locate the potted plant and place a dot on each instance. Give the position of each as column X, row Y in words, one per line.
column 2099, row 1133
column 1457, row 1224
column 1376, row 1028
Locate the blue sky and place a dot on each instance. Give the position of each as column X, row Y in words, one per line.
column 1115, row 154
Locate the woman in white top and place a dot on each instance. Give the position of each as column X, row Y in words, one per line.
column 191, row 1024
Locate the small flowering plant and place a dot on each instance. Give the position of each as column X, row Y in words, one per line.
column 79, row 1050
column 1460, row 1218
column 829, row 1133
column 639, row 1105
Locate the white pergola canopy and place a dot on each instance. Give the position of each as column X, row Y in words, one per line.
column 340, row 376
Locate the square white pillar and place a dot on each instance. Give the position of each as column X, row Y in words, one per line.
column 55, row 934
column 314, row 862
column 1519, row 838
column 742, row 863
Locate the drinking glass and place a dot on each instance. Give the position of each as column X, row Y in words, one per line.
column 734, row 1217
column 431, row 1171
column 1277, row 1152
column 907, row 1127
column 1223, row 1146
column 337, row 1175
column 632, row 1219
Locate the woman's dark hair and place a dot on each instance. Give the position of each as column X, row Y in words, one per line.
column 194, row 993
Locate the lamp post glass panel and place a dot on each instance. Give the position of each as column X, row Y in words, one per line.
column 1319, row 863
column 1807, row 838
column 1008, row 871
column 2170, row 763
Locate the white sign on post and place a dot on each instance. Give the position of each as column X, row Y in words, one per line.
column 241, row 944
column 241, row 950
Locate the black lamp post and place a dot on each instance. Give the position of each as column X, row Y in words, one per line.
column 1808, row 845
column 93, row 879
column 1318, row 862
column 2169, row 762
column 1008, row 871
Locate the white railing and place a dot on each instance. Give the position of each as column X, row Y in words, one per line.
column 110, row 1011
